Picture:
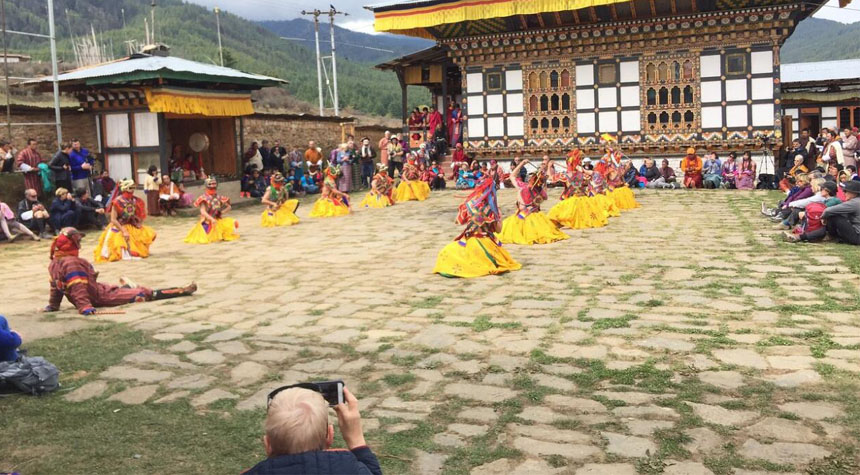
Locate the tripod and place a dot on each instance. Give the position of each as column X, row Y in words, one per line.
column 767, row 154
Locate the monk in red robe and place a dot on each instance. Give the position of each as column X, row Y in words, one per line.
column 76, row 279
column 692, row 167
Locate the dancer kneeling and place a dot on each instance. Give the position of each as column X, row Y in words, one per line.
column 126, row 237
column 619, row 192
column 530, row 225
column 476, row 252
column 213, row 226
column 381, row 193
column 332, row 202
column 411, row 187
column 76, row 279
column 577, row 210
column 280, row 211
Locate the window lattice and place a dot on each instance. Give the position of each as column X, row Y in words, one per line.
column 549, row 100
column 668, row 88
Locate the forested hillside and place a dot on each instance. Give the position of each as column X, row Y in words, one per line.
column 822, row 40
column 191, row 33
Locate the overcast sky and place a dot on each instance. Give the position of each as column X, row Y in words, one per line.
column 360, row 19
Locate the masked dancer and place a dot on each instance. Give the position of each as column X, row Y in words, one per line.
column 213, row 226
column 280, row 211
column 381, row 194
column 125, row 237
column 331, row 202
column 529, row 225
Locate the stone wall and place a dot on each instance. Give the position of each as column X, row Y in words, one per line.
column 80, row 125
column 295, row 130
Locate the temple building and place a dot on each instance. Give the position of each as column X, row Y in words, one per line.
column 658, row 76
column 821, row 94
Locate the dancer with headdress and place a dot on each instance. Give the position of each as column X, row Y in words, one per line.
column 577, row 209
column 125, row 237
column 76, row 279
column 280, row 210
column 411, row 187
column 529, row 225
column 331, row 202
column 381, row 194
column 476, row 251
column 597, row 191
column 618, row 191
column 213, row 226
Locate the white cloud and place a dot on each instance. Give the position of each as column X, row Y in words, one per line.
column 361, row 26
column 831, row 11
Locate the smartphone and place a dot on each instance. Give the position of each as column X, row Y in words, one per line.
column 332, row 391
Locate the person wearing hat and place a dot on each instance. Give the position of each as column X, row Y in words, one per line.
column 280, row 211
column 213, row 226
column 76, row 279
column 381, row 194
column 820, row 195
column 691, row 164
column 842, row 221
column 125, row 237
column 366, row 155
column 411, row 187
column 811, row 228
column 331, row 202
column 529, row 225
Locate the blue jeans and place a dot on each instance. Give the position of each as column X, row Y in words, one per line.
column 366, row 173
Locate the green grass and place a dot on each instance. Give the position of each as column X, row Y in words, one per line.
column 398, row 379
column 618, row 322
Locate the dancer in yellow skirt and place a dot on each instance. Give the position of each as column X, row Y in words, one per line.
column 411, row 187
column 529, row 225
column 280, row 211
column 213, row 226
column 381, row 194
column 476, row 251
column 331, row 202
column 597, row 190
column 619, row 192
column 577, row 210
column 126, row 237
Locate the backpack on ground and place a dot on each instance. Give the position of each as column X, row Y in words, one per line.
column 31, row 375
column 813, row 211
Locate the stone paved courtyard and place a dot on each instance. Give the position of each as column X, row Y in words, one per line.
column 682, row 338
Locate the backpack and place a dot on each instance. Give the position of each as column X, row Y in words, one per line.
column 47, row 177
column 29, row 375
column 813, row 216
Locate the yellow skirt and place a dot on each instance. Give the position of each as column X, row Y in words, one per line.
column 324, row 208
column 375, row 201
column 113, row 247
column 579, row 212
column 412, row 190
column 608, row 204
column 284, row 216
column 536, row 228
column 623, row 197
column 224, row 230
column 474, row 257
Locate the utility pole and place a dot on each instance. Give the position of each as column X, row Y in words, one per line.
column 218, row 25
column 52, row 33
column 122, row 10
column 316, row 14
column 152, row 12
column 6, row 72
column 331, row 13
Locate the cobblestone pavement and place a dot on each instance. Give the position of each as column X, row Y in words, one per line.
column 681, row 338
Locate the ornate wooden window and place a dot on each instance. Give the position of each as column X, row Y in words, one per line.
column 669, row 88
column 550, row 97
column 736, row 63
column 494, row 82
column 606, row 73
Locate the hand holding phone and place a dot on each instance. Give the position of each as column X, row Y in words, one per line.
column 349, row 421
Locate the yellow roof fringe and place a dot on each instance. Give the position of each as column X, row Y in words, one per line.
column 199, row 102
column 412, row 21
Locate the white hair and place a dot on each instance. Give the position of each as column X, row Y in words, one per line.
column 297, row 421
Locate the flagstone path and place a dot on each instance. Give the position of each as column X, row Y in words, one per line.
column 682, row 338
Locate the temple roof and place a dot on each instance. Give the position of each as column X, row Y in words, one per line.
column 441, row 19
column 820, row 71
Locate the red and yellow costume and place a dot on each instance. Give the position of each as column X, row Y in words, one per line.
column 411, row 187
column 280, row 211
column 381, row 194
column 476, row 251
column 76, row 279
column 126, row 237
column 529, row 225
column 578, row 209
column 213, row 226
column 619, row 192
column 331, row 202
column 692, row 167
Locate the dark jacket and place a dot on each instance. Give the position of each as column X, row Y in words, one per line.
column 10, row 341
column 850, row 209
column 652, row 173
column 359, row 461
column 58, row 165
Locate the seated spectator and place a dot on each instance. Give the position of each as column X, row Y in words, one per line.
column 649, row 171
column 841, row 222
column 667, row 177
column 801, row 190
column 797, row 168
column 253, row 184
column 103, row 187
column 32, row 213
column 9, row 341
column 467, row 178
column 169, row 195
column 63, row 211
column 310, row 183
column 797, row 206
column 746, row 173
column 851, row 170
column 90, row 212
column 629, row 175
column 8, row 223
column 729, row 171
column 298, row 436
column 434, row 177
column 691, row 165
column 712, row 171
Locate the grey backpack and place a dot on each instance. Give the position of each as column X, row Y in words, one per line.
column 34, row 375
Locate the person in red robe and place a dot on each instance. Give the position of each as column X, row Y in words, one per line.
column 458, row 160
column 434, row 120
column 692, row 167
column 76, row 279
column 28, row 161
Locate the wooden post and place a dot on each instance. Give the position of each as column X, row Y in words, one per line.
column 403, row 102
column 163, row 152
column 241, row 145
